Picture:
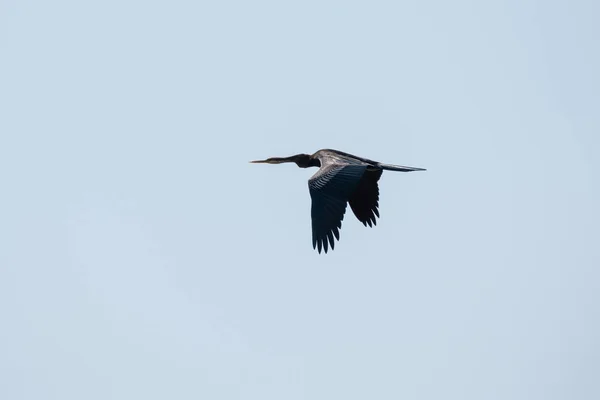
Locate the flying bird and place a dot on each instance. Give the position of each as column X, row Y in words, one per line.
column 342, row 178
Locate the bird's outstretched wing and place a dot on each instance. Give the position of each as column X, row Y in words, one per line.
column 364, row 201
column 330, row 188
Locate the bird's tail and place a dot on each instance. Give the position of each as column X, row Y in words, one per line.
column 401, row 168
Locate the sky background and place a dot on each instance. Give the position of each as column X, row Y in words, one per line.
column 142, row 257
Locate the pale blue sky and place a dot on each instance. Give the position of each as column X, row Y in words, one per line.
column 143, row 257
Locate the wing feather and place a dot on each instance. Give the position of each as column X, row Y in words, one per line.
column 330, row 188
column 364, row 201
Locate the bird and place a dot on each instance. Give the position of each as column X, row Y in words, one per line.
column 342, row 178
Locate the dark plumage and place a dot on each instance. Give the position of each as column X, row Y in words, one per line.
column 342, row 178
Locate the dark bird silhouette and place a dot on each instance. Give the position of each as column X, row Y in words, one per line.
column 342, row 178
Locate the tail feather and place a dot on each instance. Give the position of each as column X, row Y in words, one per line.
column 401, row 168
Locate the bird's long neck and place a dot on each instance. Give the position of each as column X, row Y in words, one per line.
column 305, row 161
column 281, row 160
column 301, row 160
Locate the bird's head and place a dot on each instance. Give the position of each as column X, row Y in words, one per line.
column 301, row 160
column 272, row 160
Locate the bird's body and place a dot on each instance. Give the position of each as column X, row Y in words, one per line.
column 342, row 178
